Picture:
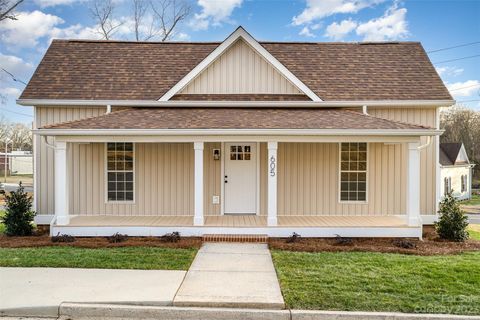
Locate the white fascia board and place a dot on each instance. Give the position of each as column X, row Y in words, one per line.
column 236, row 132
column 237, row 34
column 243, row 104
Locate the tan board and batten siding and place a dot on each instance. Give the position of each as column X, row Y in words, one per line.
column 307, row 184
column 428, row 156
column 240, row 70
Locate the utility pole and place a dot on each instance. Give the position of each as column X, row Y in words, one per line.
column 5, row 159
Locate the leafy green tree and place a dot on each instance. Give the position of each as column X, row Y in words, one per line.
column 452, row 224
column 19, row 215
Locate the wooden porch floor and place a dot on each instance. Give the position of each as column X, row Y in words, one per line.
column 238, row 221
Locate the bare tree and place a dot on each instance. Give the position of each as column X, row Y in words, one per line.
column 463, row 125
column 170, row 13
column 18, row 135
column 150, row 19
column 7, row 8
column 102, row 11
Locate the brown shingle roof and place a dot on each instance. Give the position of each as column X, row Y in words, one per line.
column 103, row 70
column 449, row 153
column 234, row 118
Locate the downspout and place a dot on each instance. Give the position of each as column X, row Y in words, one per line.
column 109, row 108
column 423, row 146
column 365, row 110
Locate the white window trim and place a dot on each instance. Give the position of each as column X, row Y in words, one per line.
column 105, row 164
column 363, row 202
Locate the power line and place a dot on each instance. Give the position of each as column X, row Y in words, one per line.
column 13, row 77
column 453, row 47
column 477, row 55
column 20, row 113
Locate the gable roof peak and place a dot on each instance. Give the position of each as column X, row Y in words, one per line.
column 239, row 33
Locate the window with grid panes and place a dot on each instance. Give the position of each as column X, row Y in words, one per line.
column 120, row 171
column 353, row 171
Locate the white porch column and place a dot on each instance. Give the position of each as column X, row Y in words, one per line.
column 61, row 183
column 272, row 183
column 413, row 185
column 198, row 215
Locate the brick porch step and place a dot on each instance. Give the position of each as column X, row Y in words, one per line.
column 256, row 238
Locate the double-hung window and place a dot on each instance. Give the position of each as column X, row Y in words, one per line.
column 447, row 185
column 120, row 171
column 353, row 171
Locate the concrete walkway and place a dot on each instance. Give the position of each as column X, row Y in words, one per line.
column 40, row 291
column 231, row 275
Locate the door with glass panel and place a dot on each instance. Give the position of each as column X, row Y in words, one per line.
column 240, row 180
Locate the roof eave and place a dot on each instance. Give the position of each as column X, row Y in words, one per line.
column 244, row 104
column 238, row 132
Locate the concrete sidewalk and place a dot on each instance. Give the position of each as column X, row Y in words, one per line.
column 231, row 275
column 40, row 291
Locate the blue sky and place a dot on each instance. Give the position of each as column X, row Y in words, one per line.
column 437, row 24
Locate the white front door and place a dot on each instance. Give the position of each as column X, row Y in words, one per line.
column 240, row 178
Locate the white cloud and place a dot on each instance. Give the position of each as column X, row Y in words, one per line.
column 318, row 9
column 181, row 36
column 214, row 12
column 53, row 3
column 16, row 65
column 306, row 32
column 392, row 25
column 10, row 92
column 28, row 29
column 449, row 71
column 338, row 31
column 464, row 89
column 35, row 26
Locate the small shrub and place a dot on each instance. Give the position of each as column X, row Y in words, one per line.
column 63, row 238
column 171, row 237
column 117, row 238
column 18, row 218
column 452, row 224
column 405, row 244
column 343, row 241
column 293, row 238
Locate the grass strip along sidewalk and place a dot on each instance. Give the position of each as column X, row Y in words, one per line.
column 361, row 281
column 103, row 258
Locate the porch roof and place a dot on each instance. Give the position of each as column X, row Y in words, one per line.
column 236, row 119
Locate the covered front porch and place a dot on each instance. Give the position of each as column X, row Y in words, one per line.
column 361, row 179
column 317, row 226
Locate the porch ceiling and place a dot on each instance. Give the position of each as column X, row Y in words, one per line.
column 235, row 118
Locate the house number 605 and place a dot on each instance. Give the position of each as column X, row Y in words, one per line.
column 272, row 166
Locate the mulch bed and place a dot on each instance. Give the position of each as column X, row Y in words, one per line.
column 430, row 245
column 98, row 242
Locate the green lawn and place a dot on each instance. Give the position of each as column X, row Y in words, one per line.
column 475, row 201
column 474, row 231
column 380, row 282
column 105, row 258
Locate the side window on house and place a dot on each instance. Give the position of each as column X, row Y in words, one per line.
column 120, row 171
column 353, row 171
column 464, row 183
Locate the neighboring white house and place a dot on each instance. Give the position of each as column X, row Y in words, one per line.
column 455, row 170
